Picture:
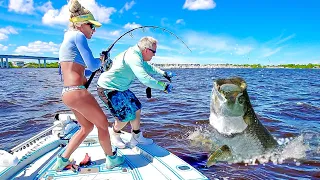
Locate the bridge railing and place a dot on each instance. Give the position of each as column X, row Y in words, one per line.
column 4, row 59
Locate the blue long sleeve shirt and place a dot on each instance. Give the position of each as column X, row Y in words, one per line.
column 74, row 48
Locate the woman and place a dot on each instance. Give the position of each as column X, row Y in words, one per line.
column 74, row 56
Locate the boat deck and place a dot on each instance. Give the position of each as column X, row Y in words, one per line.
column 141, row 161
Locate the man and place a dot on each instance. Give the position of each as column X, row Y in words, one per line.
column 113, row 88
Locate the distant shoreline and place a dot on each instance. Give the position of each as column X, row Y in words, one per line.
column 196, row 66
column 251, row 66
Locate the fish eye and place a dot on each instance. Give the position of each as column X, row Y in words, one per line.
column 224, row 93
column 241, row 99
column 218, row 88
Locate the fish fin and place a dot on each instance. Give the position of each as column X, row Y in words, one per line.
column 247, row 120
column 222, row 153
column 243, row 85
column 206, row 141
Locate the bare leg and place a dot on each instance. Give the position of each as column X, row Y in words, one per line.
column 83, row 102
column 118, row 125
column 138, row 138
column 104, row 139
column 135, row 124
column 76, row 140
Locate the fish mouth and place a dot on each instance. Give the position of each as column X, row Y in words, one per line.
column 228, row 105
column 227, row 97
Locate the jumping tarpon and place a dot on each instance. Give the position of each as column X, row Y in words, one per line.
column 233, row 118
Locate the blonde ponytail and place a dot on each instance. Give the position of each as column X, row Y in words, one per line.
column 77, row 9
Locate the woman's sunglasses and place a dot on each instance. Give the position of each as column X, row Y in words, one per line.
column 92, row 26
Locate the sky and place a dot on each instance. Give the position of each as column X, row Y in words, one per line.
column 267, row 32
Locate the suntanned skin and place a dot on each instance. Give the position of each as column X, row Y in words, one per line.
column 83, row 105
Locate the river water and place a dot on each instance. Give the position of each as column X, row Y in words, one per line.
column 287, row 102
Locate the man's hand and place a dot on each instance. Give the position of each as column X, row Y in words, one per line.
column 168, row 75
column 101, row 69
column 107, row 64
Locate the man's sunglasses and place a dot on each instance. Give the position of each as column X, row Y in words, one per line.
column 152, row 50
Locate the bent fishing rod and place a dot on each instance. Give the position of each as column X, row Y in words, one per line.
column 106, row 54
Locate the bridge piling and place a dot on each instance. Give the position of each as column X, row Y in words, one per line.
column 7, row 62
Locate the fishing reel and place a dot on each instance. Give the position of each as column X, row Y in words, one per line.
column 105, row 59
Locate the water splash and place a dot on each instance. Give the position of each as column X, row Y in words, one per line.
column 289, row 148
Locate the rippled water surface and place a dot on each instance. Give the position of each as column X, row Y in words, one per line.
column 287, row 101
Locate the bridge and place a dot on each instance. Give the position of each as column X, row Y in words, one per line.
column 5, row 64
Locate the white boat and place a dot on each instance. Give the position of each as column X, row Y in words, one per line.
column 35, row 158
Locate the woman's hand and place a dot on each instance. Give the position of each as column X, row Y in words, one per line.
column 102, row 57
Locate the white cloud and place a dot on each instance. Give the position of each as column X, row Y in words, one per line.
column 180, row 21
column 45, row 7
column 206, row 43
column 214, row 43
column 127, row 6
column 279, row 39
column 115, row 33
column 136, row 14
column 107, row 34
column 4, row 32
column 243, row 50
column 165, row 22
column 38, row 47
column 187, row 59
column 285, row 39
column 199, row 4
column 21, row 6
column 55, row 16
column 167, row 48
column 101, row 13
column 3, row 47
column 3, row 36
column 131, row 25
column 269, row 52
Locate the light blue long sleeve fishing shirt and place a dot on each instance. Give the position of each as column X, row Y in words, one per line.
column 126, row 66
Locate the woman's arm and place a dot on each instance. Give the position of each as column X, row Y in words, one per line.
column 85, row 52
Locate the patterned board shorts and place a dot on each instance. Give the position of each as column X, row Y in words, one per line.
column 122, row 104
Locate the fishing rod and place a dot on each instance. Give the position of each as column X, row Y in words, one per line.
column 106, row 54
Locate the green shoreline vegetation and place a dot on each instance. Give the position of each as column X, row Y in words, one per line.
column 35, row 65
column 291, row 66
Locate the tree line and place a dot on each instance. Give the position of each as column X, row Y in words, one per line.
column 293, row 66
